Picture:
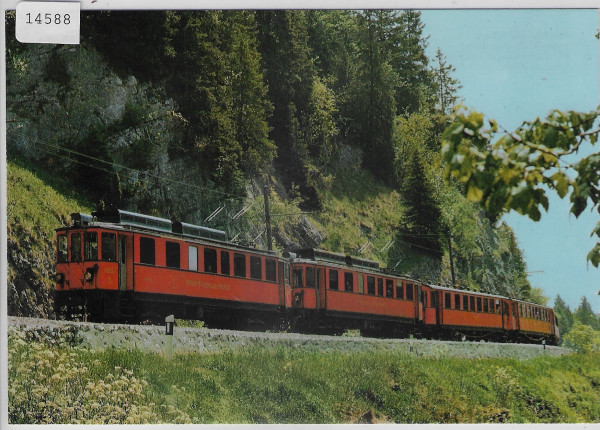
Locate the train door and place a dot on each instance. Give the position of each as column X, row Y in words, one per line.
column 125, row 262
column 435, row 304
column 420, row 303
column 321, row 290
column 284, row 279
column 505, row 315
column 515, row 316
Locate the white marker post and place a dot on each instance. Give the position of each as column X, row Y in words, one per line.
column 169, row 325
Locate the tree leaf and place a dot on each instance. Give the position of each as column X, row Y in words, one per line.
column 561, row 183
column 594, row 255
column 474, row 193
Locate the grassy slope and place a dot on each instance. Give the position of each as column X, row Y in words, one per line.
column 358, row 208
column 37, row 204
column 279, row 385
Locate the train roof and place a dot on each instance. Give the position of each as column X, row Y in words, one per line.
column 312, row 255
column 479, row 293
column 123, row 220
column 458, row 290
column 118, row 216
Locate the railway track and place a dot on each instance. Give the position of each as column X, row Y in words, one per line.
column 152, row 338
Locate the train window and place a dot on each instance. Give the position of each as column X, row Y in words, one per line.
column 210, row 260
column 147, row 247
column 76, row 247
column 109, row 246
column 62, row 251
column 465, row 304
column 348, row 282
column 399, row 290
column 297, row 278
column 379, row 287
column 423, row 297
column 271, row 269
column 447, row 300
column 486, row 309
column 457, row 301
column 478, row 304
column 471, row 303
column 90, row 245
column 239, row 265
column 389, row 288
column 256, row 267
column 225, row 270
column 193, row 258
column 491, row 306
column 173, row 256
column 361, row 283
column 286, row 273
column 333, row 279
column 370, row 285
column 409, row 292
column 310, row 277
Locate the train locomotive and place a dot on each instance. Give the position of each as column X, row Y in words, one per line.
column 120, row 266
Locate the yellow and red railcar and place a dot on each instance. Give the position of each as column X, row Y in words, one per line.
column 333, row 292
column 118, row 265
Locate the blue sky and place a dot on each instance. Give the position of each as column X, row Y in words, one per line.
column 516, row 65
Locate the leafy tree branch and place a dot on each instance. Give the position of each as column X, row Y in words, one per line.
column 510, row 172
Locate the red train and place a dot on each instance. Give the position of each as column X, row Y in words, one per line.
column 122, row 266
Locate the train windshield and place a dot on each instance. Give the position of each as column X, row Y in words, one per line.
column 62, row 248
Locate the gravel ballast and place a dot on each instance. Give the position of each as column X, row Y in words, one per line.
column 202, row 340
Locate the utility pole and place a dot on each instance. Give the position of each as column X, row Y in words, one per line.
column 451, row 259
column 266, row 192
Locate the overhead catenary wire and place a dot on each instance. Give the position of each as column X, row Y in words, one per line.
column 55, row 150
column 120, row 166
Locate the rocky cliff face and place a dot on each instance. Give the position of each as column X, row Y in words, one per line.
column 30, row 268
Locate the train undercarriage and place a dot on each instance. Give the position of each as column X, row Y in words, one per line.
column 140, row 308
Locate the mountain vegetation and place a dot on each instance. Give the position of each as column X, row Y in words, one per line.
column 189, row 114
column 579, row 329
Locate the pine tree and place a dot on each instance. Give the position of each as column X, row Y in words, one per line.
column 585, row 315
column 409, row 62
column 563, row 314
column 373, row 107
column 446, row 87
column 283, row 42
column 251, row 107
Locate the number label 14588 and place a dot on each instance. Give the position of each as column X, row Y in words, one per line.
column 49, row 18
column 47, row 22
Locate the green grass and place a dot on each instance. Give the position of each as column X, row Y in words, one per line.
column 38, row 202
column 281, row 385
column 359, row 208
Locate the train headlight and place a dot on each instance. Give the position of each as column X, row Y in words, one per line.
column 89, row 274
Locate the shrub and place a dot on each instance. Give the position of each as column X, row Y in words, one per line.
column 55, row 385
column 582, row 338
